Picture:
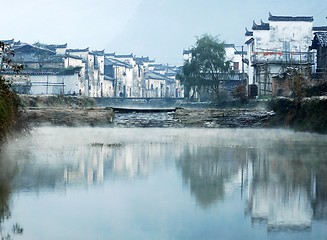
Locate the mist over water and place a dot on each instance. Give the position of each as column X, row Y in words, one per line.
column 159, row 183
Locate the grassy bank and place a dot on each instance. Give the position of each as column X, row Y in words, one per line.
column 309, row 114
column 31, row 101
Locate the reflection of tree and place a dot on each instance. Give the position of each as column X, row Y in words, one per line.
column 6, row 176
column 207, row 170
column 4, row 200
column 7, row 172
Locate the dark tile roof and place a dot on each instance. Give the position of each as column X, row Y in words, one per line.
column 115, row 62
column 110, row 54
column 289, row 18
column 144, row 59
column 52, row 47
column 227, row 45
column 240, row 53
column 155, row 76
column 248, row 33
column 78, row 50
column 28, row 47
column 73, row 56
column 186, row 51
column 249, row 41
column 319, row 39
column 8, row 41
column 36, row 59
column 124, row 56
column 99, row 53
column 320, row 29
column 262, row 26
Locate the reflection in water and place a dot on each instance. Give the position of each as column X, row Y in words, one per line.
column 285, row 183
column 281, row 178
column 281, row 188
column 210, row 172
column 7, row 173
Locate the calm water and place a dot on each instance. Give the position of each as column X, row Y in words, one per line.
column 107, row 183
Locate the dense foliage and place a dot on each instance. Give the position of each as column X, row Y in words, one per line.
column 9, row 102
column 303, row 115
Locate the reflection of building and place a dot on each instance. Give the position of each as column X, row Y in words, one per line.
column 91, row 164
column 277, row 195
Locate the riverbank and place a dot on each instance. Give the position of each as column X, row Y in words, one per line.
column 64, row 110
column 309, row 114
column 69, row 116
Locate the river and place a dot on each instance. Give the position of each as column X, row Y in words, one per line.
column 164, row 183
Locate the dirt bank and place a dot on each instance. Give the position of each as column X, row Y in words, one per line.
column 64, row 110
column 69, row 116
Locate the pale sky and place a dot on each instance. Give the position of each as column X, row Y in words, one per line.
column 160, row 29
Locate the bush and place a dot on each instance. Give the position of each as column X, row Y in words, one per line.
column 9, row 107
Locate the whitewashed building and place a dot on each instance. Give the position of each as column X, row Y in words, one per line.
column 55, row 69
column 273, row 46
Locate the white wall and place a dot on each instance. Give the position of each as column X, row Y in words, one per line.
column 51, row 84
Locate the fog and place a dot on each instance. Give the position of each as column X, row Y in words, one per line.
column 56, row 137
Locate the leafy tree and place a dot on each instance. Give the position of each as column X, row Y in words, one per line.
column 208, row 66
column 9, row 102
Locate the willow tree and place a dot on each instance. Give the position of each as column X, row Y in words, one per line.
column 207, row 68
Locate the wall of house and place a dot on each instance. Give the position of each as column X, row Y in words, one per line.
column 285, row 44
column 48, row 84
column 107, row 88
column 299, row 34
column 154, row 88
column 283, row 36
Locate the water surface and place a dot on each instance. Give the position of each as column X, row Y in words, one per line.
column 159, row 183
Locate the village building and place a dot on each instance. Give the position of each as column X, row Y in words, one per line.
column 56, row 69
column 94, row 71
column 44, row 71
column 140, row 77
column 319, row 44
column 236, row 57
column 274, row 46
column 120, row 75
